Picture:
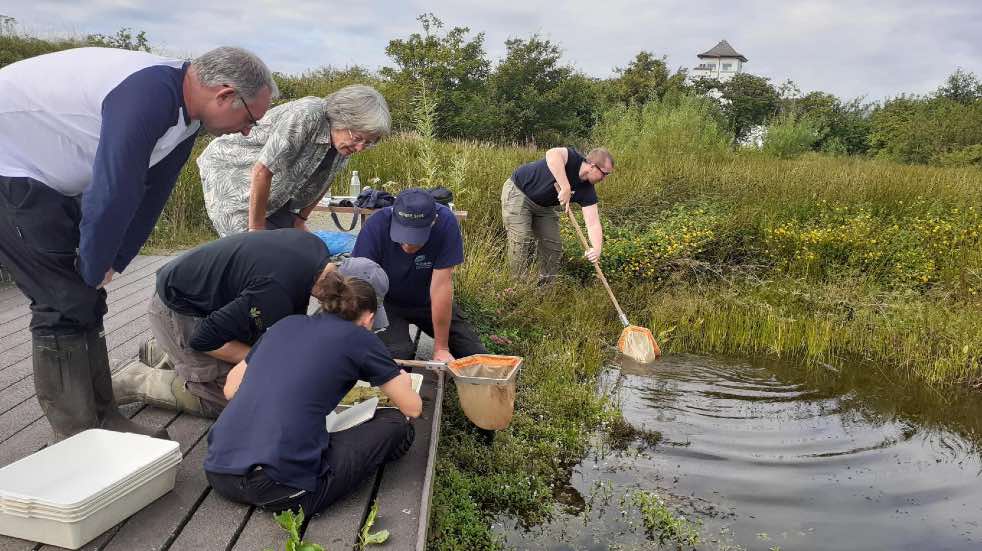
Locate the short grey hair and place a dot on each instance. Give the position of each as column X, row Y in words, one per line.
column 360, row 108
column 600, row 155
column 237, row 68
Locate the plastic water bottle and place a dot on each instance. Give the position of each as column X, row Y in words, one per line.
column 355, row 189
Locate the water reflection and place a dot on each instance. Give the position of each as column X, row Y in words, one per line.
column 777, row 455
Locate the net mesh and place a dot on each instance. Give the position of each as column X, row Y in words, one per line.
column 638, row 344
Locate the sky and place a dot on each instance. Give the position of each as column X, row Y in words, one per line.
column 874, row 49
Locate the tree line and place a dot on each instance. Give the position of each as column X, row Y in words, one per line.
column 531, row 96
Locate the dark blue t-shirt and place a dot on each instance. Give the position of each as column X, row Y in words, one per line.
column 410, row 274
column 538, row 184
column 298, row 372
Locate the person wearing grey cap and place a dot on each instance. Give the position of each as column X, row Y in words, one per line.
column 214, row 302
column 270, row 447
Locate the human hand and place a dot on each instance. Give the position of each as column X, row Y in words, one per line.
column 106, row 279
column 592, row 254
column 442, row 355
column 565, row 194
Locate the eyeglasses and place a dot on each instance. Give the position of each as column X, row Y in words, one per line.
column 603, row 172
column 253, row 122
column 358, row 140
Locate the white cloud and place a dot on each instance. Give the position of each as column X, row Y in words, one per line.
column 875, row 48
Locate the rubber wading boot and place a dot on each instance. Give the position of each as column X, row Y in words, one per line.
column 106, row 408
column 136, row 382
column 152, row 355
column 62, row 382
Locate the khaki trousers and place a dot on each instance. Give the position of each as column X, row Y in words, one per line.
column 533, row 232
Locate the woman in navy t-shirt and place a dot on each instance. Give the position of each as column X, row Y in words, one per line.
column 270, row 446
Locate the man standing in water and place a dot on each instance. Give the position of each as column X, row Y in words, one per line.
column 92, row 141
column 529, row 200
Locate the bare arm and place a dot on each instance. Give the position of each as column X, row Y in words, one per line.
column 231, row 352
column 556, row 161
column 441, row 304
column 591, row 215
column 262, row 179
column 234, row 379
column 400, row 391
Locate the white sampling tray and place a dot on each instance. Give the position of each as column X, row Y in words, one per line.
column 71, row 492
column 75, row 534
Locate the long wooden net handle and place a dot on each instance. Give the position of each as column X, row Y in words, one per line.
column 596, row 266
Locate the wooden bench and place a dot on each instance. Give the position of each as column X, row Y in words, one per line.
column 363, row 214
column 192, row 516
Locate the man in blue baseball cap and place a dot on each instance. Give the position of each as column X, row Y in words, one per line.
column 418, row 242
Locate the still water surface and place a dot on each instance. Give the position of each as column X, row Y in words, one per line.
column 771, row 455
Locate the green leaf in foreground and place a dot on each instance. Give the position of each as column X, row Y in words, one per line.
column 291, row 523
column 366, row 538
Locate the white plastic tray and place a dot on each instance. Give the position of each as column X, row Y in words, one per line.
column 74, row 513
column 76, row 534
column 73, row 471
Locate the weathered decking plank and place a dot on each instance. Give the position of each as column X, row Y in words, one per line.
column 338, row 527
column 404, row 487
column 214, row 524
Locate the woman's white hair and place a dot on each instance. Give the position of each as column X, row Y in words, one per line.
column 359, row 108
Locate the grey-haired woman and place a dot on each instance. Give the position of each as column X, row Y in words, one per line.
column 275, row 176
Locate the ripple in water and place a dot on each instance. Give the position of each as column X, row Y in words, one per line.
column 778, row 455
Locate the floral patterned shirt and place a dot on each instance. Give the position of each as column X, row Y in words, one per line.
column 291, row 140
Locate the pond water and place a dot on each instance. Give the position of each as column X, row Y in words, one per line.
column 767, row 455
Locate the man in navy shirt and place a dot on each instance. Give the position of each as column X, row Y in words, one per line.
column 529, row 200
column 92, row 141
column 418, row 242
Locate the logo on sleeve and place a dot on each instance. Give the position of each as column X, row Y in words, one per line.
column 257, row 317
column 422, row 263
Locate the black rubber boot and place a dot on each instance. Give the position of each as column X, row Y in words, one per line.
column 62, row 383
column 105, row 404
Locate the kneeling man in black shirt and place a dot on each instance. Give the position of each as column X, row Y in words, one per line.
column 214, row 302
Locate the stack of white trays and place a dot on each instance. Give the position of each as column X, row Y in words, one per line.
column 69, row 493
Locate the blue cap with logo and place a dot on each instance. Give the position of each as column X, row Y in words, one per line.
column 412, row 217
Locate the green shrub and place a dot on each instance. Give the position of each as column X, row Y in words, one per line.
column 966, row 156
column 676, row 124
column 788, row 137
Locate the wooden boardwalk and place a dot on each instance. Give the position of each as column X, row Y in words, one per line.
column 192, row 517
